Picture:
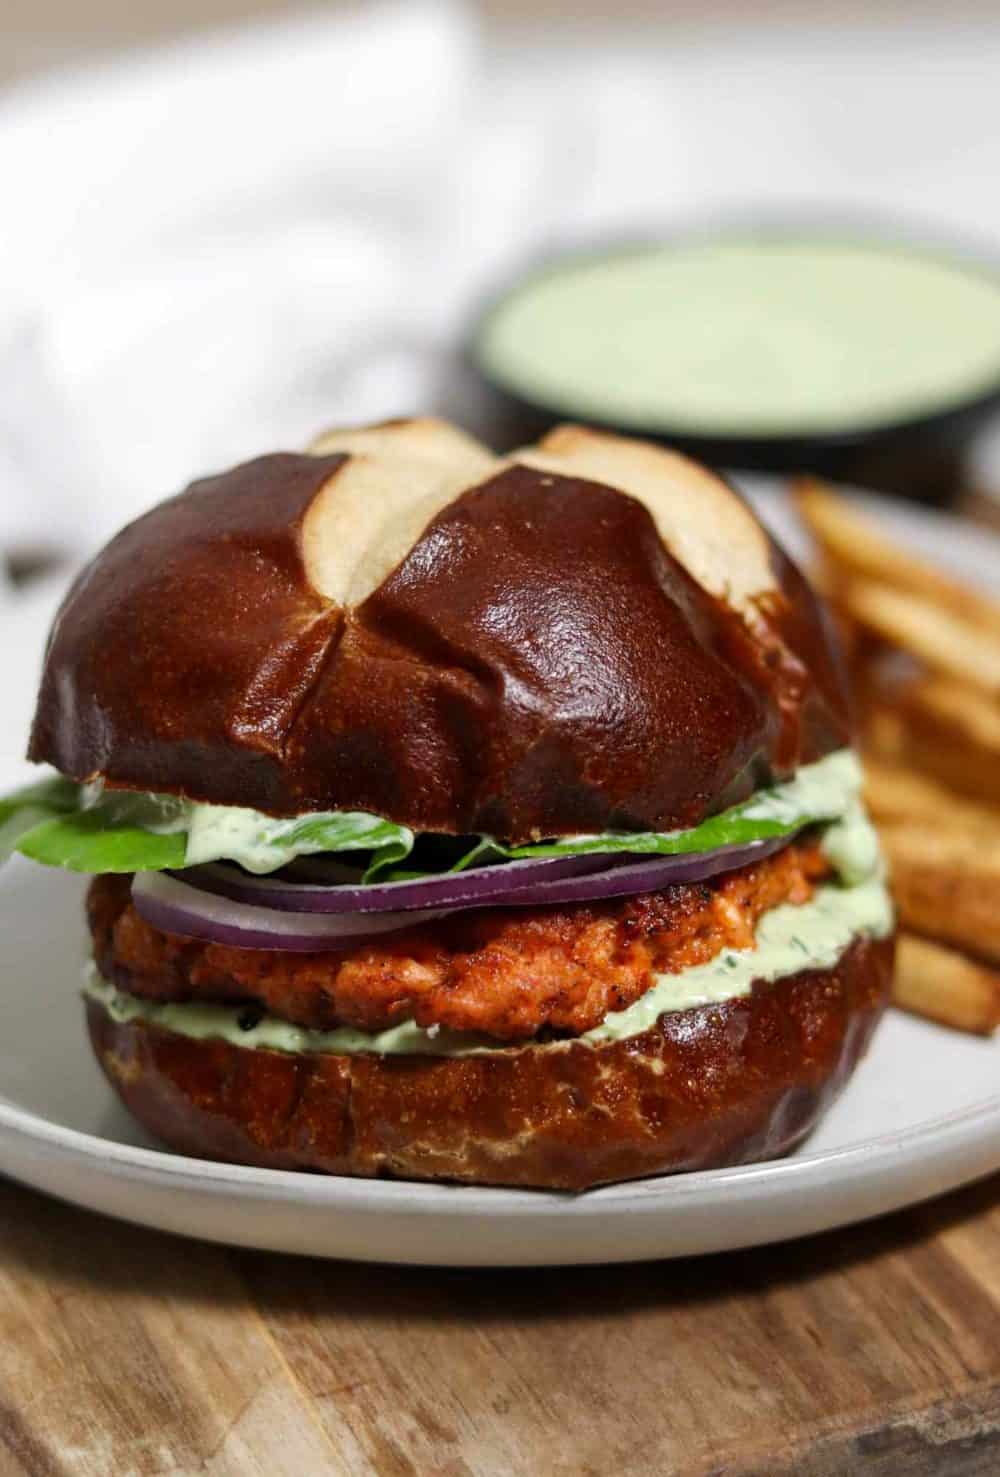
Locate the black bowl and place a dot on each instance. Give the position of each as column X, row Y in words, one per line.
column 921, row 457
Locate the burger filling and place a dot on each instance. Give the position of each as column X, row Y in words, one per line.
column 489, row 977
column 505, row 973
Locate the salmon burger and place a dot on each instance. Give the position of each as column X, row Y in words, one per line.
column 461, row 817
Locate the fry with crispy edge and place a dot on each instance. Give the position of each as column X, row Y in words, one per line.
column 896, row 793
column 923, row 655
column 935, row 981
column 854, row 548
column 946, row 881
column 947, row 643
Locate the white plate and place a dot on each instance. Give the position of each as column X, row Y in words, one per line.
column 921, row 1116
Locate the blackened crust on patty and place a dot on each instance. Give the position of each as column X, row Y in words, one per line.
column 508, row 973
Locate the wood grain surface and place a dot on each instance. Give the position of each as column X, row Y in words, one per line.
column 874, row 1350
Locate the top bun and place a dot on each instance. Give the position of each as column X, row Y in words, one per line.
column 592, row 633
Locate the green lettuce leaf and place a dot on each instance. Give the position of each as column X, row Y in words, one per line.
column 82, row 843
column 733, row 827
column 25, row 809
column 61, row 824
column 820, row 792
column 87, row 829
column 262, row 843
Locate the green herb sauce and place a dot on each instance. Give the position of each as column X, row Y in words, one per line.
column 749, row 336
column 788, row 938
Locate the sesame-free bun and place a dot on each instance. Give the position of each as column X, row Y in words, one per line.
column 590, row 633
column 713, row 1085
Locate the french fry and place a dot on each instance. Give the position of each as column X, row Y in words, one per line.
column 884, row 738
column 894, row 793
column 923, row 658
column 855, row 548
column 976, row 717
column 946, row 881
column 946, row 642
column 935, row 981
column 946, row 730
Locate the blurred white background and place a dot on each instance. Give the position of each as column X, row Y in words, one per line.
column 213, row 244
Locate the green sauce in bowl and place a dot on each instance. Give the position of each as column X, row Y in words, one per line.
column 777, row 336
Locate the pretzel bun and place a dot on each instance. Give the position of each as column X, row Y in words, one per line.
column 590, row 633
column 717, row 1085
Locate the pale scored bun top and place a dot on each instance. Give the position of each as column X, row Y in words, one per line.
column 593, row 632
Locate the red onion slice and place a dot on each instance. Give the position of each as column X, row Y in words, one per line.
column 573, row 879
column 628, row 876
column 241, row 917
column 480, row 885
column 175, row 906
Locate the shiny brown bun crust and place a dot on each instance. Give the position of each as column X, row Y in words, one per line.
column 724, row 1084
column 591, row 634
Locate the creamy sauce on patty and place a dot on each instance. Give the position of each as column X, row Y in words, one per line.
column 788, row 939
column 819, row 791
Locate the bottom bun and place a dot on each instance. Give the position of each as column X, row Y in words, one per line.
column 714, row 1085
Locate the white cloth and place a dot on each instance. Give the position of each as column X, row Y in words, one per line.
column 216, row 249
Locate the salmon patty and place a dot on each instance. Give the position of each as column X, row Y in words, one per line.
column 508, row 973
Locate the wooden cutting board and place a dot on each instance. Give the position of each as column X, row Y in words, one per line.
column 873, row 1350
